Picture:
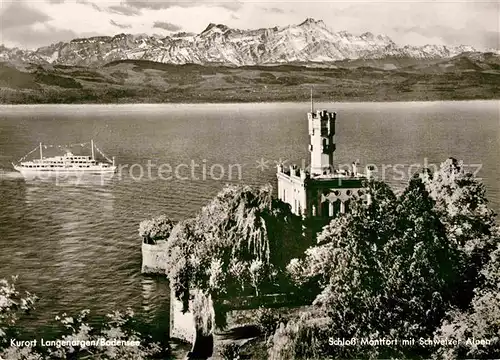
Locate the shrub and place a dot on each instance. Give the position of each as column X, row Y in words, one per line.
column 156, row 229
column 299, row 339
column 78, row 340
column 268, row 321
column 230, row 351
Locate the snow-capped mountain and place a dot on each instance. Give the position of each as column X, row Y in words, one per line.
column 310, row 41
column 18, row 55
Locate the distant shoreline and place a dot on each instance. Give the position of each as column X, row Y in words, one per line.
column 316, row 101
column 270, row 101
column 153, row 83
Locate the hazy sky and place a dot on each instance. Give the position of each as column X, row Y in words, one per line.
column 34, row 23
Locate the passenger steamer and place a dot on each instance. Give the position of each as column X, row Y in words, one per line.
column 66, row 165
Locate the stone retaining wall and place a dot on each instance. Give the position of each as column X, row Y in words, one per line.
column 239, row 311
column 153, row 258
column 181, row 324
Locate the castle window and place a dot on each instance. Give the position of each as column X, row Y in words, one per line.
column 336, row 208
column 325, row 208
column 347, row 205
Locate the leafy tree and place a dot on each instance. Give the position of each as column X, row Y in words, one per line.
column 155, row 229
column 461, row 203
column 389, row 268
column 239, row 241
column 419, row 267
column 346, row 265
column 79, row 340
column 235, row 246
column 372, row 221
column 462, row 206
column 179, row 259
column 480, row 322
column 12, row 305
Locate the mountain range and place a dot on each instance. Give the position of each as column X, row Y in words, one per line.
column 311, row 42
column 221, row 64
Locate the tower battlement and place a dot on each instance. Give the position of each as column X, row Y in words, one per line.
column 323, row 115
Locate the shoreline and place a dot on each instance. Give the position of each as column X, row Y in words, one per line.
column 270, row 102
column 143, row 83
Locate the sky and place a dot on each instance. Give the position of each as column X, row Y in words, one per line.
column 29, row 24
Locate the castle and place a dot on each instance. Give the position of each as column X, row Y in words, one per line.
column 320, row 191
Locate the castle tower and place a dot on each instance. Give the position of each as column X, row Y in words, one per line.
column 320, row 193
column 321, row 143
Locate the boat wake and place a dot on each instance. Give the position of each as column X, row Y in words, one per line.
column 10, row 175
column 61, row 180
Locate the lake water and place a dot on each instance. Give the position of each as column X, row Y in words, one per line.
column 76, row 245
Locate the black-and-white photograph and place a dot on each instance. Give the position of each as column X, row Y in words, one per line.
column 230, row 180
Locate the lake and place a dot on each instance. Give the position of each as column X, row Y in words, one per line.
column 76, row 244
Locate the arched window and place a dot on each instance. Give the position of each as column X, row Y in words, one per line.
column 325, row 208
column 347, row 206
column 336, row 208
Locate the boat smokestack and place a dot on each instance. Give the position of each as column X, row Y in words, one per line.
column 41, row 152
column 113, row 161
column 92, row 146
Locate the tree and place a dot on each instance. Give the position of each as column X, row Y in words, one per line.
column 480, row 322
column 420, row 267
column 156, row 229
column 386, row 270
column 238, row 242
column 461, row 203
column 371, row 222
column 347, row 266
column 235, row 246
column 462, row 206
column 12, row 305
column 117, row 339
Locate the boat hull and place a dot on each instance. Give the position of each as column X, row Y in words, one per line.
column 63, row 172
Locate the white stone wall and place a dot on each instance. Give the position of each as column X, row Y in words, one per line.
column 153, row 258
column 291, row 190
column 181, row 324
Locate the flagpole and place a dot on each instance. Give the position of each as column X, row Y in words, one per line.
column 312, row 102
